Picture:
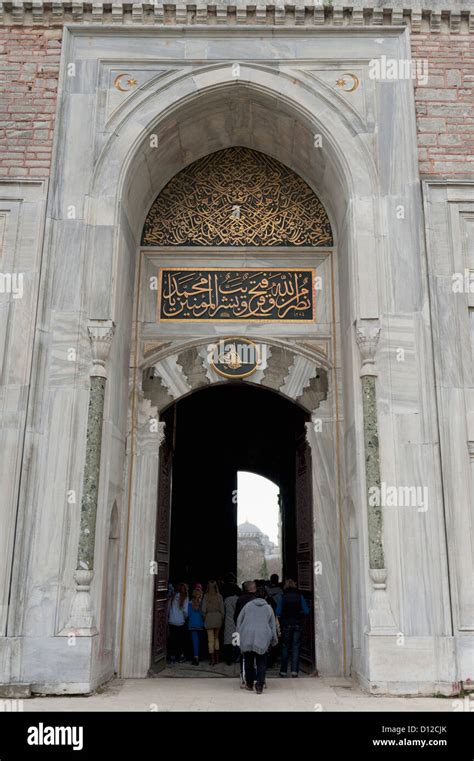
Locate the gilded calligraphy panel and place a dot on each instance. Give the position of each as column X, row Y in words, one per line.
column 237, row 197
column 267, row 295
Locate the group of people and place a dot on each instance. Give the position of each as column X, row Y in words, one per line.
column 252, row 623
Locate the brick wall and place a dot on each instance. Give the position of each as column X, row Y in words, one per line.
column 445, row 107
column 29, row 67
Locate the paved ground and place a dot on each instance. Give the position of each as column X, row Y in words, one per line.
column 214, row 694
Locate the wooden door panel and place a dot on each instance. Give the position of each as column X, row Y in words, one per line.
column 160, row 607
column 304, row 540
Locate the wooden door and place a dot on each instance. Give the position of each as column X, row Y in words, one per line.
column 162, row 546
column 304, row 540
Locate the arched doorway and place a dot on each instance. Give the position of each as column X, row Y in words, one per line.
column 235, row 242
column 235, row 222
column 211, row 435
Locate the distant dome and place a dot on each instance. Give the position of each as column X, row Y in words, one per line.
column 249, row 528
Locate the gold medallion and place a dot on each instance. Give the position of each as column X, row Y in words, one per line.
column 234, row 358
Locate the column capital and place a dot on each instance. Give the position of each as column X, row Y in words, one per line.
column 100, row 334
column 149, row 431
column 161, row 433
column 367, row 336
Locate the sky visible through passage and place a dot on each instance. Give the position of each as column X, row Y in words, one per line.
column 257, row 503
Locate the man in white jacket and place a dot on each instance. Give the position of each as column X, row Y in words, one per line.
column 257, row 633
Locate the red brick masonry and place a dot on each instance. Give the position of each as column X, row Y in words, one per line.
column 29, row 67
column 445, row 107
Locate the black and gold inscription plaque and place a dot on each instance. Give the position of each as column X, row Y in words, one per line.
column 269, row 295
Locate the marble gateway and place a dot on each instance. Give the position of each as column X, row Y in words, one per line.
column 237, row 145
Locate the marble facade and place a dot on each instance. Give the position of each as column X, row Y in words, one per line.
column 394, row 600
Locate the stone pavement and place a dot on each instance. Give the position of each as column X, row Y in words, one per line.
column 211, row 694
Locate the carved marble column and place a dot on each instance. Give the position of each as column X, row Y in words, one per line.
column 81, row 621
column 380, row 615
column 147, row 434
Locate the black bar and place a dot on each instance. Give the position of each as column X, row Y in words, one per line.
column 424, row 735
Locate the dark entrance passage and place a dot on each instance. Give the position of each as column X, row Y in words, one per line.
column 210, row 436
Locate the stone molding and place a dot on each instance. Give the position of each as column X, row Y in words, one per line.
column 381, row 619
column 81, row 622
column 367, row 337
column 100, row 334
column 435, row 15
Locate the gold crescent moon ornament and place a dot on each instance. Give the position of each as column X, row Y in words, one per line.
column 342, row 83
column 131, row 82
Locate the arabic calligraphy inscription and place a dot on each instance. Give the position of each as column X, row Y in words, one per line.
column 237, row 197
column 243, row 294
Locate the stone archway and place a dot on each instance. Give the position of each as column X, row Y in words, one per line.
column 282, row 101
column 193, row 113
column 332, row 174
column 301, row 374
column 296, row 376
column 173, row 359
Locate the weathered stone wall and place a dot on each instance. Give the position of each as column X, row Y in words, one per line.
column 88, row 273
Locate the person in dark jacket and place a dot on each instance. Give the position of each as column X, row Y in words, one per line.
column 273, row 652
column 274, row 589
column 291, row 610
column 249, row 589
column 230, row 586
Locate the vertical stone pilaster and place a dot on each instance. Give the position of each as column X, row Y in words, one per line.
column 380, row 615
column 85, row 557
column 372, row 470
column 100, row 335
column 81, row 620
column 329, row 579
column 148, row 434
